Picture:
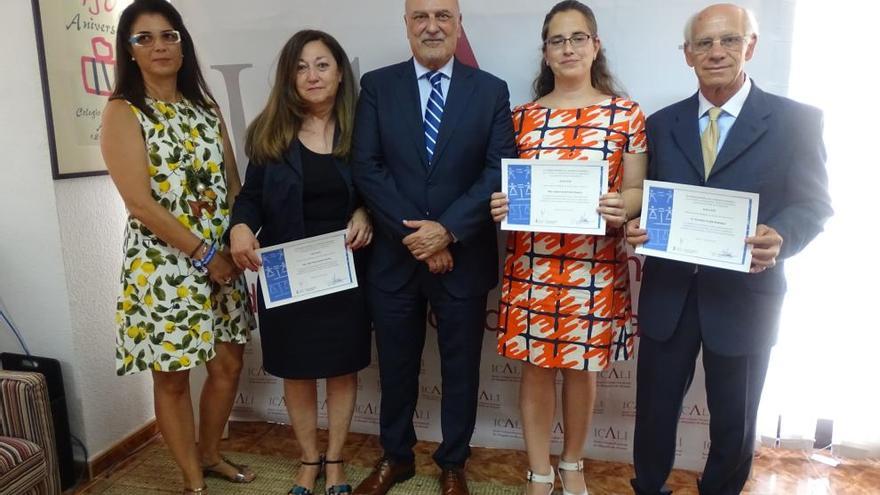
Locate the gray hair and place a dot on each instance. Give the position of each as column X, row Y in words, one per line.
column 751, row 24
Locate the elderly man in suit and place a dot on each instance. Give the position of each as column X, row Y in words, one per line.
column 729, row 135
column 430, row 133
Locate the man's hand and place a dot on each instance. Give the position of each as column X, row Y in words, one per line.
column 429, row 238
column 635, row 235
column 766, row 244
column 440, row 262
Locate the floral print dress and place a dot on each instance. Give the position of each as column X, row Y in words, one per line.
column 169, row 314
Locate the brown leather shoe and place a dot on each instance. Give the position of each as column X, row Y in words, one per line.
column 453, row 482
column 386, row 474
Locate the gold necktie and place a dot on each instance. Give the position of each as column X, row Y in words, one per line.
column 709, row 140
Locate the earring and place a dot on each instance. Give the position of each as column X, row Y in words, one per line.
column 132, row 59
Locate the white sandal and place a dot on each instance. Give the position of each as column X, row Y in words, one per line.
column 572, row 467
column 549, row 479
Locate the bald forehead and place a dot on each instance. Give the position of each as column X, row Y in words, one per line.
column 431, row 5
column 725, row 12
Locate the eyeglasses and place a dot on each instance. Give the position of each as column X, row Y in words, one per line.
column 147, row 40
column 729, row 42
column 577, row 40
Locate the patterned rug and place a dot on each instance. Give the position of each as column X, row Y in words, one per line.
column 155, row 472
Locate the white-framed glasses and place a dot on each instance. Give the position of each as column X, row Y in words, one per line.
column 146, row 39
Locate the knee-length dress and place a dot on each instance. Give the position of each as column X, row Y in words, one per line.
column 329, row 335
column 565, row 299
column 169, row 314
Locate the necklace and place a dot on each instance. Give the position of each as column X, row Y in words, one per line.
column 197, row 178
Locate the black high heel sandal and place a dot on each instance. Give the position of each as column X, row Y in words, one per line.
column 337, row 489
column 301, row 490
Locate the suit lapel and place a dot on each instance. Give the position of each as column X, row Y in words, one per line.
column 687, row 133
column 454, row 107
column 413, row 120
column 293, row 159
column 750, row 125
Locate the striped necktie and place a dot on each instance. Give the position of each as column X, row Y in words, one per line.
column 433, row 113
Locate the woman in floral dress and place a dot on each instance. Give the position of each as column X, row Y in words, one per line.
column 183, row 303
column 565, row 301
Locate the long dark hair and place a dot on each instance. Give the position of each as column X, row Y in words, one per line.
column 271, row 133
column 600, row 75
column 129, row 80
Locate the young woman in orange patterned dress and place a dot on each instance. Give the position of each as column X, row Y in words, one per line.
column 565, row 300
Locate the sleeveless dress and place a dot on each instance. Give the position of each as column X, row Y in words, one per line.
column 169, row 314
column 565, row 298
column 329, row 335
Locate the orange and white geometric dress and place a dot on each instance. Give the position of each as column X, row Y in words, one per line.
column 565, row 298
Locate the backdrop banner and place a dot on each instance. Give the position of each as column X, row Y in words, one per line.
column 238, row 45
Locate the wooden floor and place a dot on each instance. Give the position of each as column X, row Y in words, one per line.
column 775, row 471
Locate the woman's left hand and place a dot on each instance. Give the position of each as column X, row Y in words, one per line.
column 612, row 209
column 360, row 229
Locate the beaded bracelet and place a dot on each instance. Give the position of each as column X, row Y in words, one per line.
column 202, row 264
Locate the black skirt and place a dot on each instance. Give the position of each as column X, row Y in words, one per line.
column 329, row 335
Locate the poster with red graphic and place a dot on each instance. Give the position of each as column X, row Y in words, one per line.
column 76, row 44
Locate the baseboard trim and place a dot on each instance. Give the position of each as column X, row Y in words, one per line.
column 123, row 449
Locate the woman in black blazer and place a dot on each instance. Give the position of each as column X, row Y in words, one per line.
column 298, row 185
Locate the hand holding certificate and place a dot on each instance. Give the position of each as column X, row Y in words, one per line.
column 700, row 225
column 554, row 195
column 307, row 268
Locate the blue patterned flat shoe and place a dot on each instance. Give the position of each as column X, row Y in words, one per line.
column 299, row 490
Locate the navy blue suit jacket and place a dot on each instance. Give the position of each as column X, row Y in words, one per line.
column 392, row 174
column 775, row 149
column 271, row 200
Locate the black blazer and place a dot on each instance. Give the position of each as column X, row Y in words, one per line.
column 392, row 173
column 271, row 200
column 775, row 149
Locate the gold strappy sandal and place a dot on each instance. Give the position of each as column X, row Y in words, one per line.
column 243, row 474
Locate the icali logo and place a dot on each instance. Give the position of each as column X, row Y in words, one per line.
column 421, row 415
column 244, row 399
column 505, row 369
column 558, row 429
column 695, row 411
column 432, row 390
column 367, row 408
column 507, row 423
column 614, row 374
column 487, row 397
column 257, row 371
column 611, row 433
column 277, row 402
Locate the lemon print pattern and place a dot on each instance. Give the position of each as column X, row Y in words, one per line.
column 169, row 315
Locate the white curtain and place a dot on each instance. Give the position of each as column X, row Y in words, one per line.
column 827, row 361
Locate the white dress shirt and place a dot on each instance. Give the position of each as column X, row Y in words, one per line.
column 425, row 84
column 729, row 112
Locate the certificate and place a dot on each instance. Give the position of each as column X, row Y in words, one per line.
column 307, row 268
column 554, row 195
column 700, row 225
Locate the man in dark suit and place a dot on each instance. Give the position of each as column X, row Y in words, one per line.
column 429, row 137
column 730, row 135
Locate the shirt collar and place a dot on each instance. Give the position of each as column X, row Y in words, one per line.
column 733, row 106
column 446, row 70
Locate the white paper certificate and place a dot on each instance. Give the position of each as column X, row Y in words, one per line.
column 699, row 225
column 307, row 268
column 554, row 195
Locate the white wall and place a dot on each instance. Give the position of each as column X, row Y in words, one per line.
column 60, row 254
